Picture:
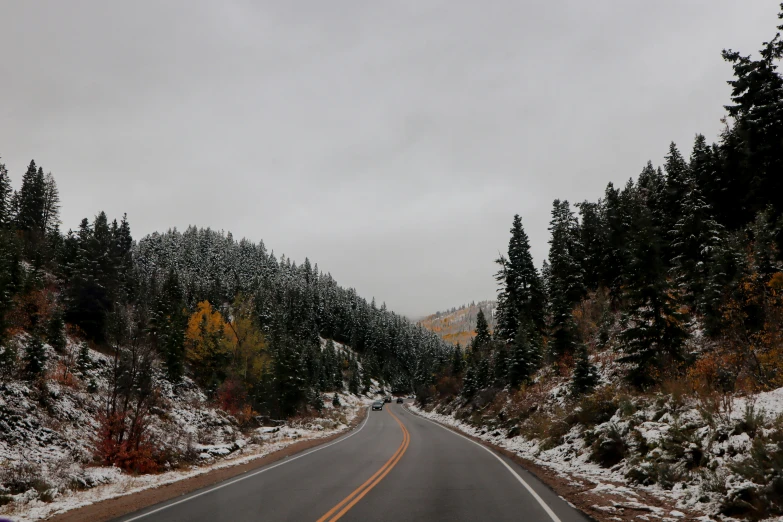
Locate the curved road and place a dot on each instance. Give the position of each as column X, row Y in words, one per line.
column 394, row 466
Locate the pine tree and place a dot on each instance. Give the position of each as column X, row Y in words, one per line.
column 592, row 236
column 500, row 363
column 470, row 383
column 366, row 382
column 585, row 376
column 354, row 378
column 91, row 276
column 566, row 252
column 483, row 336
column 605, row 326
column 765, row 250
column 566, row 287
column 655, row 332
column 30, row 215
column 6, row 191
column 51, row 205
column 678, row 183
column 35, row 356
column 753, row 156
column 522, row 297
column 696, row 239
column 318, row 402
column 168, row 324
column 289, row 376
column 483, row 373
column 520, row 366
column 83, row 360
column 11, row 275
column 617, row 219
column 55, row 332
column 651, row 190
column 336, row 400
column 8, row 357
column 457, row 361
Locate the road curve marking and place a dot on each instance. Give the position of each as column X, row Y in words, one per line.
column 359, row 493
column 509, row 468
column 224, row 484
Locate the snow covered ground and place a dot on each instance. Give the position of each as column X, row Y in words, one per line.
column 47, row 437
column 111, row 482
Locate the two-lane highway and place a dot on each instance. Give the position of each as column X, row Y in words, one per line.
column 394, row 466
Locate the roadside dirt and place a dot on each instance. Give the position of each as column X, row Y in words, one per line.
column 116, row 507
column 603, row 506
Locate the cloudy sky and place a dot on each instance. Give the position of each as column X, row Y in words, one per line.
column 390, row 142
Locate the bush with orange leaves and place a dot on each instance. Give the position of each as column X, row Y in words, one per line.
column 749, row 351
column 448, row 386
column 63, row 374
column 231, row 396
column 226, row 349
column 134, row 453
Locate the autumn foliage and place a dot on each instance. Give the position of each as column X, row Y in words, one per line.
column 123, row 445
column 229, row 355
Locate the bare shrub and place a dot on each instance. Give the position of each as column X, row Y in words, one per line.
column 23, row 475
column 123, row 437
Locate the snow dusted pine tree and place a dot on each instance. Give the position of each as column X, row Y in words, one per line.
column 592, row 236
column 655, row 326
column 520, row 366
column 521, row 298
column 30, row 215
column 55, row 332
column 51, row 206
column 566, row 279
column 585, row 375
column 696, row 239
column 483, row 337
column 6, row 191
column 678, row 184
column 34, row 356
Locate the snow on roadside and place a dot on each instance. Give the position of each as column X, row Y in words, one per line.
column 574, row 466
column 264, row 441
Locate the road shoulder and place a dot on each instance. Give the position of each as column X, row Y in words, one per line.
column 599, row 506
column 116, row 507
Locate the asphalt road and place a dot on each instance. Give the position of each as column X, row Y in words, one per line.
column 395, row 466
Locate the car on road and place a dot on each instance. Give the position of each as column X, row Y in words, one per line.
column 400, row 400
column 377, row 405
column 387, row 398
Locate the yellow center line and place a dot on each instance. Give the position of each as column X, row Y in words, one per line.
column 373, row 481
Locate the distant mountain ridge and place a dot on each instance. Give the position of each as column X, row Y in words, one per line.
column 458, row 325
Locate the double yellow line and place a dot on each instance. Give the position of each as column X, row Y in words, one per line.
column 348, row 502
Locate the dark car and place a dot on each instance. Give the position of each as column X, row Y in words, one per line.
column 387, row 398
column 400, row 400
column 377, row 405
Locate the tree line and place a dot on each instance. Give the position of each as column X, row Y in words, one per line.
column 259, row 333
column 679, row 271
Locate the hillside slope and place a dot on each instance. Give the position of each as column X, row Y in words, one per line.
column 52, row 432
column 458, row 325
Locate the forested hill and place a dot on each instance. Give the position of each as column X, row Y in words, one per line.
column 226, row 313
column 296, row 302
column 680, row 271
column 458, row 325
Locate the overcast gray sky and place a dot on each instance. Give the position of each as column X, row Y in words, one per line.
column 390, row 142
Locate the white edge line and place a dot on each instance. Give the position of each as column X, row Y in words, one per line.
column 509, row 468
column 224, row 484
